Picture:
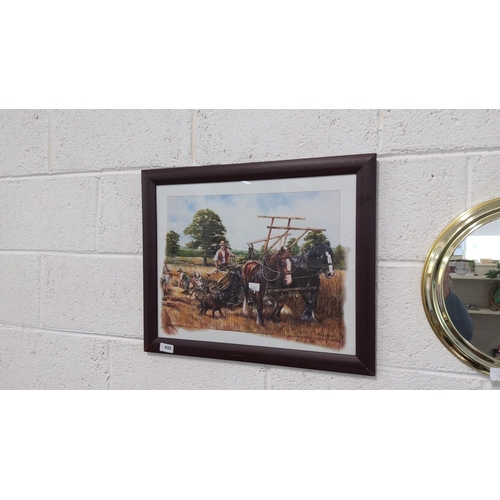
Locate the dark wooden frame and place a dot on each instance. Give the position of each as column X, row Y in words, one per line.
column 365, row 169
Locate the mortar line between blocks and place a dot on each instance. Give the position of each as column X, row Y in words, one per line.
column 267, row 381
column 193, row 129
column 380, row 128
column 427, row 371
column 83, row 173
column 408, row 155
column 40, row 284
column 98, row 214
column 109, row 364
column 468, row 180
column 69, row 333
column 69, row 253
column 50, row 138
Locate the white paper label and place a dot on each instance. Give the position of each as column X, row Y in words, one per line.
column 495, row 374
column 255, row 287
column 167, row 348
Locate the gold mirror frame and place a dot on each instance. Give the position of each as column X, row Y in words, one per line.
column 432, row 284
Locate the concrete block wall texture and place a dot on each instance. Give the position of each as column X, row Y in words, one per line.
column 70, row 236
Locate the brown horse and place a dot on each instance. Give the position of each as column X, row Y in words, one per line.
column 275, row 270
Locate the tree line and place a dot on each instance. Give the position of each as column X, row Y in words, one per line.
column 207, row 231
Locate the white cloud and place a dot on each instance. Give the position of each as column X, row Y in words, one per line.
column 239, row 213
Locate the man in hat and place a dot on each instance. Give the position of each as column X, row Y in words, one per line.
column 165, row 278
column 222, row 255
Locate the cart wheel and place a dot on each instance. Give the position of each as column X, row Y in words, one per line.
column 270, row 301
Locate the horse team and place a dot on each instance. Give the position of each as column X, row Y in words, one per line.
column 273, row 278
column 279, row 274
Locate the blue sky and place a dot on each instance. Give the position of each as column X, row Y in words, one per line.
column 239, row 213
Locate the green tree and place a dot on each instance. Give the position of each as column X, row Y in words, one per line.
column 207, row 230
column 339, row 257
column 173, row 246
column 294, row 249
column 311, row 238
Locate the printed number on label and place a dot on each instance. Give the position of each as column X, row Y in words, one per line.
column 167, row 348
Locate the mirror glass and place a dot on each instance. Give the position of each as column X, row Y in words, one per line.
column 461, row 286
column 472, row 288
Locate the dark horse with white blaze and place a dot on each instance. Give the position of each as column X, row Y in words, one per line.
column 307, row 270
column 306, row 274
column 274, row 271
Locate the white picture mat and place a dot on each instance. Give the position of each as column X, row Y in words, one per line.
column 343, row 190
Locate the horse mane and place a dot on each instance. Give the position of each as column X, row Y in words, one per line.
column 253, row 268
column 302, row 260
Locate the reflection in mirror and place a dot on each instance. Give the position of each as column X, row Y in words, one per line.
column 461, row 286
column 471, row 288
column 457, row 309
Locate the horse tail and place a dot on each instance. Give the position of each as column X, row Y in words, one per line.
column 249, row 271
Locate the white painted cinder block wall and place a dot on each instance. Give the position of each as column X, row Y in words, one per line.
column 70, row 236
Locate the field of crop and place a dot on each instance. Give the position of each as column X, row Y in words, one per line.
column 181, row 310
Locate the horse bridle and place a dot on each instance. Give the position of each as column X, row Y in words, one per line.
column 279, row 274
column 317, row 270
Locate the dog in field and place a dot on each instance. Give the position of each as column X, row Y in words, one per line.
column 213, row 304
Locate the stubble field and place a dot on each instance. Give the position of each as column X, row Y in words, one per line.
column 183, row 310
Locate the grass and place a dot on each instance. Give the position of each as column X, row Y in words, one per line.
column 329, row 331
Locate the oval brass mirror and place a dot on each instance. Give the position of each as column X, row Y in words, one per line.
column 461, row 286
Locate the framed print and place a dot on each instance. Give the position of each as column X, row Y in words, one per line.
column 269, row 263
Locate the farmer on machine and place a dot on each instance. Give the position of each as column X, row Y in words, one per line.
column 165, row 278
column 223, row 256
